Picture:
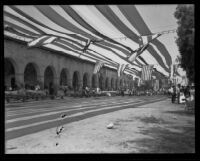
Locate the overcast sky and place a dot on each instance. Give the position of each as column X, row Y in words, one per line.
column 161, row 18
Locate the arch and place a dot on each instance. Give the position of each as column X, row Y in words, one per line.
column 121, row 83
column 76, row 80
column 129, row 84
column 31, row 73
column 117, row 84
column 85, row 80
column 10, row 68
column 101, row 82
column 125, row 84
column 112, row 83
column 160, row 83
column 132, row 84
column 64, row 77
column 49, row 76
column 94, row 81
column 107, row 83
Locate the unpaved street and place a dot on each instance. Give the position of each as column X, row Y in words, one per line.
column 159, row 127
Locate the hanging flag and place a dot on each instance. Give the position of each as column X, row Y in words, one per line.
column 156, row 85
column 121, row 69
column 139, row 82
column 171, row 71
column 175, row 67
column 147, row 39
column 137, row 52
column 146, row 72
column 43, row 40
column 98, row 66
column 152, row 37
column 140, row 41
column 177, row 60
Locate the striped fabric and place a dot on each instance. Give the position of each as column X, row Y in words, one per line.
column 74, row 26
column 146, row 72
column 98, row 66
column 121, row 69
column 175, row 70
column 43, row 40
column 138, row 22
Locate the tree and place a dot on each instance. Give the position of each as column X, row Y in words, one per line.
column 185, row 41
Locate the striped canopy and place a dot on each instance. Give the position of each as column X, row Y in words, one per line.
column 115, row 31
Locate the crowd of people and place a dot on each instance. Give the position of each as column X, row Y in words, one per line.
column 182, row 94
column 177, row 93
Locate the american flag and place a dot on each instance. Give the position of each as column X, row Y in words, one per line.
column 146, row 72
column 137, row 52
column 175, row 70
column 42, row 40
column 98, row 66
column 147, row 39
column 121, row 69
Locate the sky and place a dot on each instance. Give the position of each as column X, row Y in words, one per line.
column 161, row 18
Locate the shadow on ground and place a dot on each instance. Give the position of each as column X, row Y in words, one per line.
column 164, row 141
column 152, row 119
column 169, row 138
column 181, row 112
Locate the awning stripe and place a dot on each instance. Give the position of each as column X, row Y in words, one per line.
column 142, row 59
column 24, row 22
column 23, row 31
column 45, row 26
column 19, row 34
column 138, row 22
column 81, row 47
column 157, row 57
column 101, row 42
column 47, row 10
column 108, row 13
column 87, row 52
column 78, row 28
column 88, row 55
column 78, row 18
column 109, row 49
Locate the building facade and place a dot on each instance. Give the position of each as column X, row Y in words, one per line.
column 27, row 67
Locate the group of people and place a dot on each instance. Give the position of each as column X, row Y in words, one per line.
column 178, row 92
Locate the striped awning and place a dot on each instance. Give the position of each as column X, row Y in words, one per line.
column 114, row 29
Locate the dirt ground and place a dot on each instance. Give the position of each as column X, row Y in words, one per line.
column 159, row 127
